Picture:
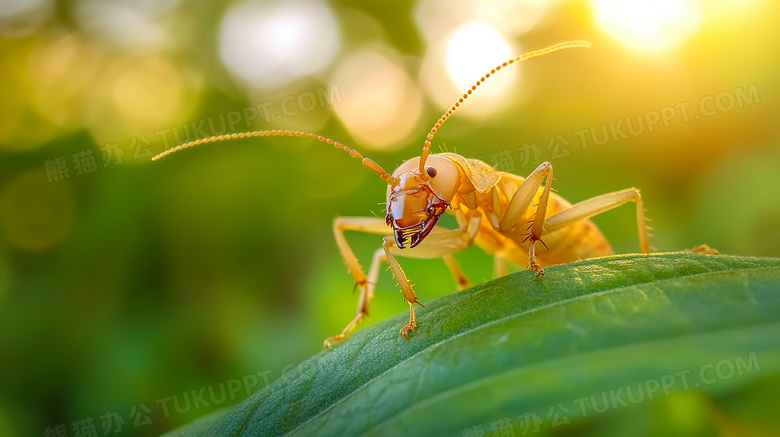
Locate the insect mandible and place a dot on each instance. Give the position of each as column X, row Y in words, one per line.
column 504, row 214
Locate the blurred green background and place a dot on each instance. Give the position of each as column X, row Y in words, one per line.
column 128, row 287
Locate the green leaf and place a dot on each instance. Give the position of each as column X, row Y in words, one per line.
column 591, row 336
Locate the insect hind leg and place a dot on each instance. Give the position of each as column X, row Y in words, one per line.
column 596, row 205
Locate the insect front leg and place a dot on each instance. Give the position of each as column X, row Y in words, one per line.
column 366, row 284
column 520, row 202
column 440, row 243
column 596, row 205
column 387, row 244
column 366, row 293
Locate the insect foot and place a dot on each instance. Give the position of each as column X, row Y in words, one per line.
column 537, row 268
column 329, row 341
column 411, row 326
column 703, row 249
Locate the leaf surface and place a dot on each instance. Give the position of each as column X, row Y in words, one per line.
column 588, row 337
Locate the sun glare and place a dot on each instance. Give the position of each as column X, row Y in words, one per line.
column 648, row 25
column 472, row 50
column 455, row 63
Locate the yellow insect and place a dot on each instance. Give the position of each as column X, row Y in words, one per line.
column 493, row 210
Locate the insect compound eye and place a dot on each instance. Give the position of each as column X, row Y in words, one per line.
column 431, row 172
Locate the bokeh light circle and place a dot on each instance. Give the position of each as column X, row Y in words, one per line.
column 269, row 45
column 454, row 65
column 382, row 104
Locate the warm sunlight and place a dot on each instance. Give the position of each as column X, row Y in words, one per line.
column 472, row 50
column 649, row 25
column 270, row 44
column 465, row 55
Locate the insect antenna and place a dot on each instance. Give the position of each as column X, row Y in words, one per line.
column 524, row 57
column 368, row 163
